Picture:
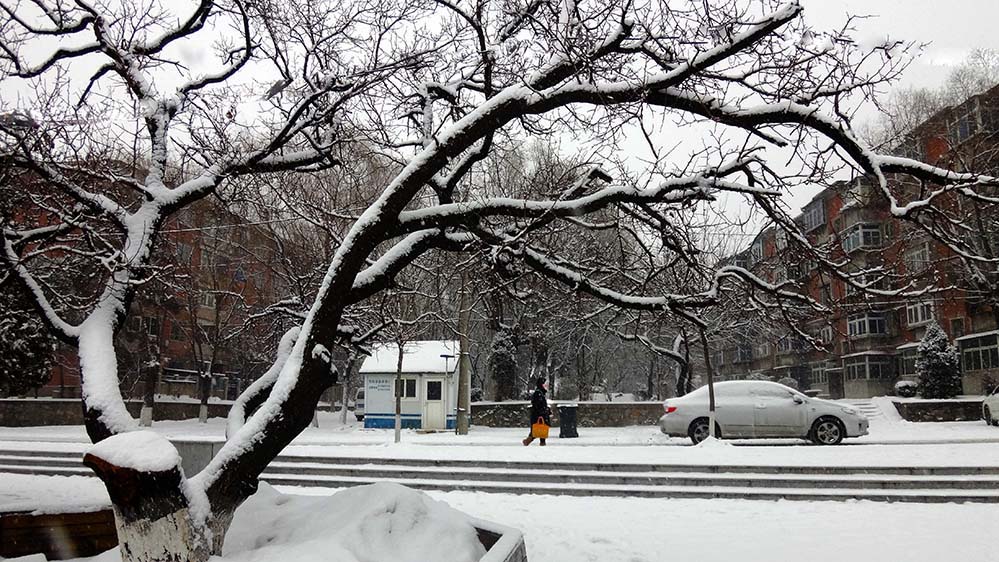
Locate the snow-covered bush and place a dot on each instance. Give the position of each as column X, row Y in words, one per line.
column 789, row 381
column 757, row 377
column 937, row 365
column 906, row 389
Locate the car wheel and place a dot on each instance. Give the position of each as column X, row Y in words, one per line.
column 827, row 431
column 987, row 414
column 698, row 430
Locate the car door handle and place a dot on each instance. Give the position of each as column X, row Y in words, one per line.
column 761, row 406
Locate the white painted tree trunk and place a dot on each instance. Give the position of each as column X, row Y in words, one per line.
column 146, row 416
column 203, row 413
column 172, row 538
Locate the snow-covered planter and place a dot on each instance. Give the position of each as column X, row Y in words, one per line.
column 906, row 389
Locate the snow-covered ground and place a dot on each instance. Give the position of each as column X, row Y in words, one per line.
column 561, row 528
column 572, row 529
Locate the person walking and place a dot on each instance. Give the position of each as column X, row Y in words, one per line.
column 539, row 409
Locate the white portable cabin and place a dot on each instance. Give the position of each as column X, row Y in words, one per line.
column 429, row 385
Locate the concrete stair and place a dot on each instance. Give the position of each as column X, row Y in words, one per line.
column 902, row 484
column 866, row 407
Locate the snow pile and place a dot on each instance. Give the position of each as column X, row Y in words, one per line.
column 146, row 451
column 710, row 442
column 363, row 524
column 51, row 494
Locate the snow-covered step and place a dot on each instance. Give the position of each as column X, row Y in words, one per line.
column 549, row 466
column 867, row 407
column 863, row 481
column 706, row 492
column 44, row 470
column 41, row 460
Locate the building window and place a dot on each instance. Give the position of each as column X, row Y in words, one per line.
column 151, row 326
column 718, row 358
column 868, row 367
column 908, row 361
column 819, row 375
column 964, row 125
column 756, row 251
column 184, row 252
column 780, row 274
column 788, row 344
column 781, row 239
column 406, row 388
column 861, row 236
column 177, row 332
column 869, row 280
column 763, row 350
column 870, row 323
column 980, row 353
column 813, row 215
column 207, row 299
column 911, row 147
column 743, row 353
column 826, row 334
column 917, row 314
column 918, row 259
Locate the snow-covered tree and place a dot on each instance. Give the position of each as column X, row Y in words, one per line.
column 503, row 364
column 938, row 369
column 27, row 358
column 437, row 88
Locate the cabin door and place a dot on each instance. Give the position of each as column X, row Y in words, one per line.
column 433, row 403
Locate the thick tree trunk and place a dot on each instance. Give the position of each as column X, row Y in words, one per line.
column 158, row 515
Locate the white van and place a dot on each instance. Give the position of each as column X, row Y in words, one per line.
column 359, row 404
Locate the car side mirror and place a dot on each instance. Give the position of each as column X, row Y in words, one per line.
column 797, row 399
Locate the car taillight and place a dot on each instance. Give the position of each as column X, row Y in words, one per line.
column 670, row 409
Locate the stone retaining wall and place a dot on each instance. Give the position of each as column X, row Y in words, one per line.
column 939, row 410
column 589, row 414
column 30, row 412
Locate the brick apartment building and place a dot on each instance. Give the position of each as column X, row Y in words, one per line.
column 871, row 339
column 192, row 320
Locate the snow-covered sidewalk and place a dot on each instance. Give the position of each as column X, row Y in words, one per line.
column 891, row 442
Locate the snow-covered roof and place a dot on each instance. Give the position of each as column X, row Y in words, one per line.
column 870, row 352
column 977, row 335
column 908, row 345
column 418, row 357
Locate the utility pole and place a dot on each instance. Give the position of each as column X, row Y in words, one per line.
column 398, row 392
column 464, row 384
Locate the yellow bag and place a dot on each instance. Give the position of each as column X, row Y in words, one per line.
column 540, row 429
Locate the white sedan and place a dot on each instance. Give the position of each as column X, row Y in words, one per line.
column 990, row 407
column 761, row 409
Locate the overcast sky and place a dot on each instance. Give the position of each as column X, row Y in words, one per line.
column 952, row 27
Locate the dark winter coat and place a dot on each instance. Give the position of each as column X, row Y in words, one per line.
column 539, row 407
